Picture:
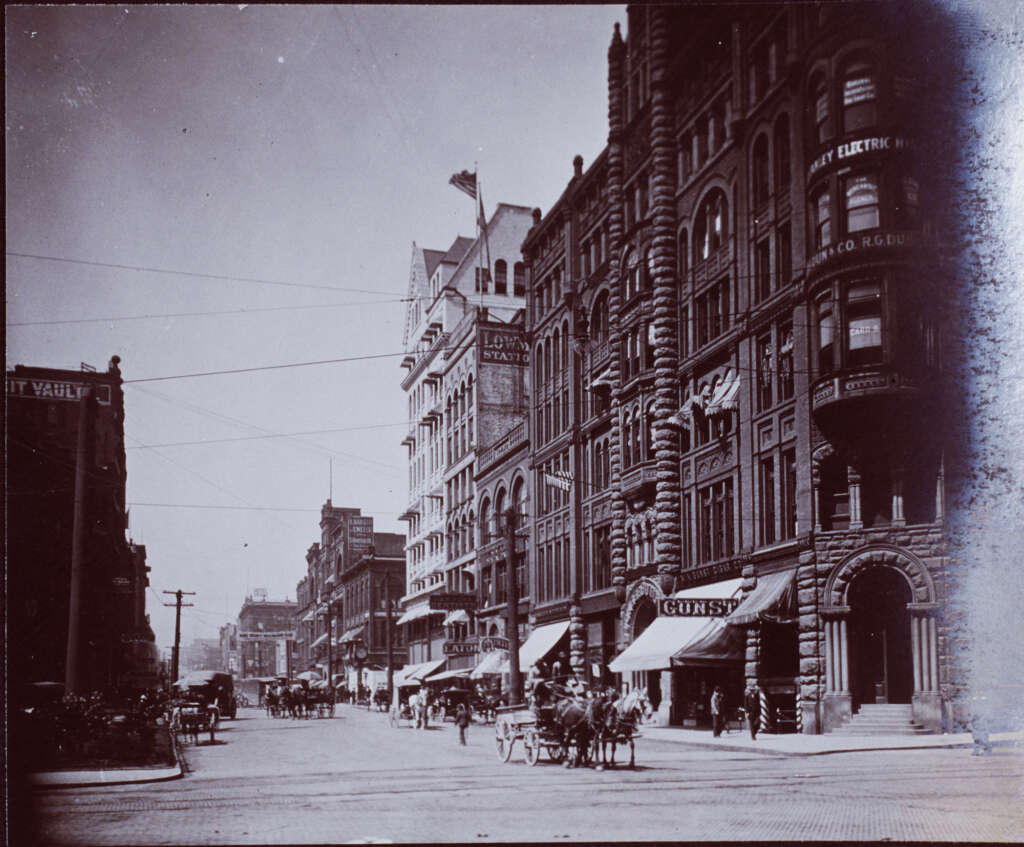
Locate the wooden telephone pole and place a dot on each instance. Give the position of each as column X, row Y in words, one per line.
column 177, row 630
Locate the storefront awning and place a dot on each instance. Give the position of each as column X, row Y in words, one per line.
column 457, row 616
column 320, row 639
column 666, row 635
column 352, row 634
column 461, row 673
column 416, row 613
column 425, row 670
column 490, row 663
column 716, row 645
column 773, row 598
column 541, row 641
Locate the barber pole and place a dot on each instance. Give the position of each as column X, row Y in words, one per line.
column 764, row 710
column 799, row 715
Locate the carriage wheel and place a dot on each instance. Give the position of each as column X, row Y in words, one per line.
column 531, row 745
column 503, row 741
column 556, row 752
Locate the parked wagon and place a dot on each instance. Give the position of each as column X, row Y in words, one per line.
column 537, row 730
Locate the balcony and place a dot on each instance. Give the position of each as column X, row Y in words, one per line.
column 879, row 392
column 508, row 442
column 638, row 477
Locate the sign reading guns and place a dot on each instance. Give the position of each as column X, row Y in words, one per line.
column 697, row 607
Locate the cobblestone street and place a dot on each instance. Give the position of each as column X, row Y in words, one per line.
column 355, row 778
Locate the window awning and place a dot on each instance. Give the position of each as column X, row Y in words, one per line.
column 666, row 635
column 461, row 673
column 456, row 616
column 490, row 663
column 603, row 379
column 541, row 642
column 716, row 645
column 352, row 634
column 320, row 639
column 416, row 613
column 424, row 670
column 725, row 397
column 306, row 618
column 773, row 599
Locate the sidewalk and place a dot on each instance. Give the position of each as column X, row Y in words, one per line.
column 109, row 776
column 792, row 744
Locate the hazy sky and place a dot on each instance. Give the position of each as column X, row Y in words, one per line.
column 307, row 145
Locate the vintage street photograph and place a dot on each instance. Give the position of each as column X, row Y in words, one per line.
column 514, row 423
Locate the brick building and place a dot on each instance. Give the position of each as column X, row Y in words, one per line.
column 736, row 357
column 266, row 630
column 466, row 384
column 47, row 411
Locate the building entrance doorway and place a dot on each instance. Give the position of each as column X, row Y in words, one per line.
column 881, row 656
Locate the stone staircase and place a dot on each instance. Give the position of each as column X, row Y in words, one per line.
column 882, row 719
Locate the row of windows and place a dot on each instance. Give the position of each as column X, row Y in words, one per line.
column 483, row 279
column 766, row 179
column 709, row 134
column 866, row 201
column 773, row 351
column 886, row 493
column 553, row 569
column 553, row 496
column 777, row 517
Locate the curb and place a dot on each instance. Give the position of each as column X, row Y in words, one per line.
column 115, row 776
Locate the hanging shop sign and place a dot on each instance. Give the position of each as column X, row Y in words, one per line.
column 460, row 648
column 53, row 389
column 858, row 147
column 490, row 643
column 450, row 601
column 697, row 607
column 860, row 243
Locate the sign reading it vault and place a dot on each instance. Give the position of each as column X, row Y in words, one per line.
column 697, row 607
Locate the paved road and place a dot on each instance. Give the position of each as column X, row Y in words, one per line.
column 354, row 778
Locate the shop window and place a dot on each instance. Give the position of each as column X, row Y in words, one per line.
column 782, row 155
column 765, row 372
column 821, row 218
column 787, row 500
column 826, row 335
column 766, row 498
column 864, row 323
column 859, row 95
column 762, row 270
column 759, row 167
column 860, row 199
column 501, row 277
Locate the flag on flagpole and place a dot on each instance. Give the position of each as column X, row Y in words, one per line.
column 465, row 182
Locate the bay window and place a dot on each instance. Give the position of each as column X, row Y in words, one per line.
column 860, row 199
column 864, row 323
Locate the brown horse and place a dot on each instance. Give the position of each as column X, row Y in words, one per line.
column 621, row 719
column 580, row 721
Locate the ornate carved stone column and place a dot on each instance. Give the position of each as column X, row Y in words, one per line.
column 577, row 639
column 668, row 549
column 837, row 703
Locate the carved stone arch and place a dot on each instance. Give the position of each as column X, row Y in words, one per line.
column 642, row 589
column 821, row 455
column 922, row 587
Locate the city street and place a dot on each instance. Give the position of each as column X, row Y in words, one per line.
column 355, row 778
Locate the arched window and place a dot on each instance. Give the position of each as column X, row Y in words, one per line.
column 759, row 171
column 860, row 94
column 710, row 232
column 499, row 511
column 469, row 394
column 627, row 451
column 519, row 499
column 485, row 522
column 782, row 155
column 556, row 351
column 647, row 269
column 599, row 319
column 635, row 439
column 519, row 279
column 565, row 344
column 819, row 108
column 501, row 277
column 538, row 365
column 547, row 359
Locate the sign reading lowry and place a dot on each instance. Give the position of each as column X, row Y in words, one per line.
column 697, row 607
column 503, row 346
column 449, row 601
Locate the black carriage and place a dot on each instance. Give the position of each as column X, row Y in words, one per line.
column 535, row 727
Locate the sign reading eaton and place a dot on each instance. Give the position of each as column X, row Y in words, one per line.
column 449, row 601
column 697, row 607
column 459, row 648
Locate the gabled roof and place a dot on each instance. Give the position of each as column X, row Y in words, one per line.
column 460, row 247
column 433, row 258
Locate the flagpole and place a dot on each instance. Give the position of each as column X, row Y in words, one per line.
column 479, row 252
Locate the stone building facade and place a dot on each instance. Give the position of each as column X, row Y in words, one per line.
column 736, row 350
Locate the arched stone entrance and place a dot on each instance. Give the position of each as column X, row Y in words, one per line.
column 638, row 612
column 880, row 636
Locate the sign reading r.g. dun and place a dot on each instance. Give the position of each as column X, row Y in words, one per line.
column 697, row 607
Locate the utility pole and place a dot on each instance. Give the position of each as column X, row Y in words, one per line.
column 330, row 649
column 73, row 675
column 512, row 619
column 387, row 637
column 177, row 629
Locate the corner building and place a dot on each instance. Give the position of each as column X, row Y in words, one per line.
column 736, row 328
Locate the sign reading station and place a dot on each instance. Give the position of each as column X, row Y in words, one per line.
column 697, row 607
column 503, row 347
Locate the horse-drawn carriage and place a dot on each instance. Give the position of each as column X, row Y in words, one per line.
column 190, row 718
column 570, row 728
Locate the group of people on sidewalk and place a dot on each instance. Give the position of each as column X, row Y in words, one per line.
column 751, row 706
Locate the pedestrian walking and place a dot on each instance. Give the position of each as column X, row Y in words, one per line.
column 462, row 722
column 717, row 710
column 425, row 707
column 414, row 709
column 752, row 704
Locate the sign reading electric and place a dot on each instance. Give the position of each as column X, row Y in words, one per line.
column 851, row 149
